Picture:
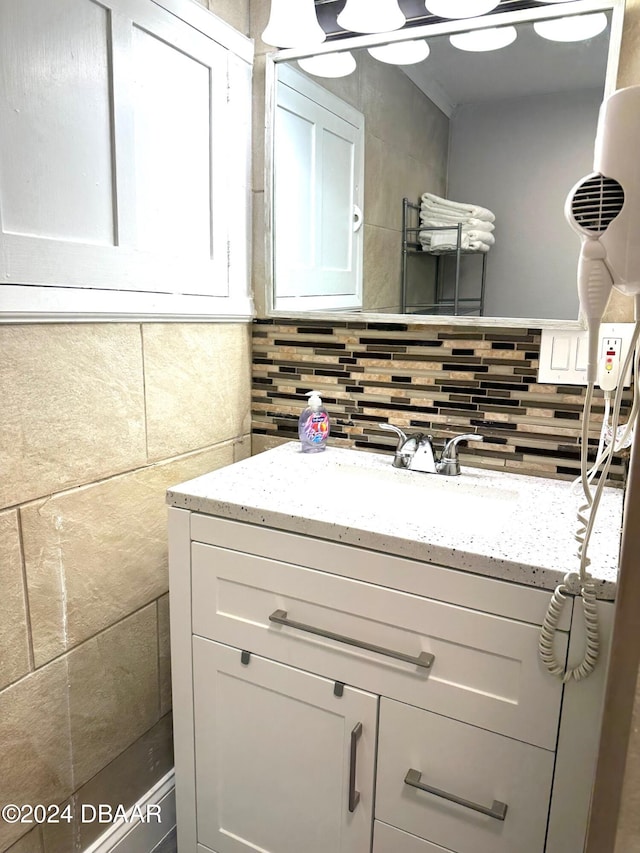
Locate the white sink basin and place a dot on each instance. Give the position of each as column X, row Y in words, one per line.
column 443, row 502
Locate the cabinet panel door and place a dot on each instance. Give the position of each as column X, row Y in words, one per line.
column 113, row 154
column 275, row 750
column 318, row 176
column 471, row 774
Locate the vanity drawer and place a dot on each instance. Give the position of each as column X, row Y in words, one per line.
column 480, row 768
column 486, row 669
column 388, row 839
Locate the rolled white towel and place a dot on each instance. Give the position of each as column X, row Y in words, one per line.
column 477, row 212
column 467, row 224
column 447, row 241
column 436, row 204
column 479, row 235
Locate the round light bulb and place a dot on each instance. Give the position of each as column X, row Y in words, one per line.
column 460, row 8
column 401, row 52
column 484, row 40
column 293, row 23
column 329, row 64
column 572, row 28
column 371, row 16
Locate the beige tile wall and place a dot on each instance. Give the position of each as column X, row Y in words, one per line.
column 97, row 420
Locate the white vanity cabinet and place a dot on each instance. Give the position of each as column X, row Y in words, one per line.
column 330, row 698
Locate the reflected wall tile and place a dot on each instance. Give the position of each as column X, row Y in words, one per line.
column 383, row 184
column 347, row 88
column 387, row 99
column 382, row 262
column 73, row 406
column 93, row 555
column 429, row 130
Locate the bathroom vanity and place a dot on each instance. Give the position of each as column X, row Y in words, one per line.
column 354, row 654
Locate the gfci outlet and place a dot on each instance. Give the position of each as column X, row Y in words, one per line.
column 563, row 352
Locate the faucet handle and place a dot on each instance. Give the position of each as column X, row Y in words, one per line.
column 402, row 436
column 449, row 462
column 405, row 448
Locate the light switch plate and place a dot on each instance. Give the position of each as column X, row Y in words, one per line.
column 563, row 353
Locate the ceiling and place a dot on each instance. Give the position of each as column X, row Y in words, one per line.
column 531, row 65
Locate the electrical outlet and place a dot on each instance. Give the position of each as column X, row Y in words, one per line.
column 610, row 363
column 563, row 352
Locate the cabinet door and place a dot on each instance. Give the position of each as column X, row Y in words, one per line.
column 318, row 176
column 283, row 763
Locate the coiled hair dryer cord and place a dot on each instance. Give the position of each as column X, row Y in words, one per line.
column 550, row 626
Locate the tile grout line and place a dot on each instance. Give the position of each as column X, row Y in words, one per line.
column 25, row 592
column 158, row 676
column 144, row 393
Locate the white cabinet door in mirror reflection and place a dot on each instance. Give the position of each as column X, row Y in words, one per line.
column 318, row 178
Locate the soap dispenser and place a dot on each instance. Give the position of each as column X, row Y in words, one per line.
column 313, row 425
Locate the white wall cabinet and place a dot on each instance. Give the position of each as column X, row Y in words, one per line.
column 305, row 669
column 124, row 160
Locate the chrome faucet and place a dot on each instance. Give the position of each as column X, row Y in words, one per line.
column 415, row 452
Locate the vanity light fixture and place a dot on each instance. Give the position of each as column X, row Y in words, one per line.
column 460, row 8
column 484, row 40
column 371, row 16
column 572, row 28
column 329, row 64
column 293, row 23
column 401, row 53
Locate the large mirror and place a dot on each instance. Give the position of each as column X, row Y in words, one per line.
column 359, row 164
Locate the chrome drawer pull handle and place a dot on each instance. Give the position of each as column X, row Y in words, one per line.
column 498, row 810
column 354, row 796
column 424, row 659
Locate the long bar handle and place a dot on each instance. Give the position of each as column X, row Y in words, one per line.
column 497, row 810
column 424, row 659
column 354, row 796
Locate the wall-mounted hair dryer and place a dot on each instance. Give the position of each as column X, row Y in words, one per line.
column 604, row 209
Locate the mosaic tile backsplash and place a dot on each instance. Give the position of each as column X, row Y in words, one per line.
column 444, row 380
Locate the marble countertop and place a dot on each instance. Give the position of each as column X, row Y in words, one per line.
column 507, row 526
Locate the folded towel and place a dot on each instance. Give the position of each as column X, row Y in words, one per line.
column 467, row 224
column 437, row 242
column 477, row 212
column 436, row 203
column 482, row 236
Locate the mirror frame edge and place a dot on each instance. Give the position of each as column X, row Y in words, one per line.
column 273, row 58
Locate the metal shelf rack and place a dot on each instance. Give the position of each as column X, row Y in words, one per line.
column 456, row 305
